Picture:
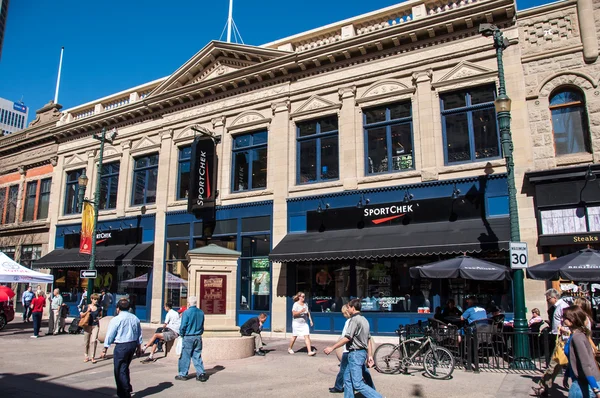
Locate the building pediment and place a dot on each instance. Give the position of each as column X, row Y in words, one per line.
column 215, row 60
column 465, row 70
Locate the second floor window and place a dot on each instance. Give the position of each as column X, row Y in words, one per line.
column 318, row 153
column 71, row 191
column 569, row 122
column 44, row 199
column 30, row 253
column 30, row 197
column 388, row 138
column 249, row 161
column 469, row 125
column 145, row 176
column 109, row 184
column 183, row 179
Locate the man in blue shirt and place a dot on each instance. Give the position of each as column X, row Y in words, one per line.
column 26, row 301
column 475, row 313
column 125, row 331
column 191, row 330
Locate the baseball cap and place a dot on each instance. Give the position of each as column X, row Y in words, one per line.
column 182, row 309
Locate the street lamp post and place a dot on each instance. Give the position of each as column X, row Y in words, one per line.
column 502, row 103
column 83, row 180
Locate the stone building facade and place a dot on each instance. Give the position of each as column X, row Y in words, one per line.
column 390, row 108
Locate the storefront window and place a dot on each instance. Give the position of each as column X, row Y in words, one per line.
column 176, row 277
column 255, row 273
column 386, row 286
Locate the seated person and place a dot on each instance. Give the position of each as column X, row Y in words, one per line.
column 474, row 314
column 451, row 310
column 535, row 319
column 438, row 314
column 494, row 312
column 170, row 331
column 253, row 327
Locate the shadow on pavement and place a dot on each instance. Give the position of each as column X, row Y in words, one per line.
column 28, row 385
column 214, row 370
column 154, row 390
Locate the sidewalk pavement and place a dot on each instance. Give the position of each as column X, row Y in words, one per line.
column 52, row 366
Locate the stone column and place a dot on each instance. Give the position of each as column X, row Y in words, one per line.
column 125, row 176
column 163, row 184
column 424, row 128
column 347, row 138
column 279, row 149
column 55, row 194
column 218, row 124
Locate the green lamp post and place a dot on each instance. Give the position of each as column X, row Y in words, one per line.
column 83, row 181
column 502, row 103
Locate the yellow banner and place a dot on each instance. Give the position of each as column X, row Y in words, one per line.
column 87, row 228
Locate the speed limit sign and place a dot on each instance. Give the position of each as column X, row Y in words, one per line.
column 518, row 255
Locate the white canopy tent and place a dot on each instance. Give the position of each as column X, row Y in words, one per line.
column 13, row 272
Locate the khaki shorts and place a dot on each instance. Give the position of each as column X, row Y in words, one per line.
column 169, row 335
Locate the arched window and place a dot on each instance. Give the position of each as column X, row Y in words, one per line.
column 569, row 122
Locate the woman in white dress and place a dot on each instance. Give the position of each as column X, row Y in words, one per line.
column 300, row 327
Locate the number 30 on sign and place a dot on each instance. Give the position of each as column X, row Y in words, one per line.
column 518, row 255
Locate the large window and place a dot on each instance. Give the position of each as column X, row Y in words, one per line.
column 255, row 273
column 44, row 200
column 11, row 204
column 469, row 125
column 109, row 184
column 30, row 253
column 9, row 251
column 570, row 220
column 30, row 196
column 388, row 135
column 145, row 174
column 183, row 176
column 318, row 151
column 72, row 189
column 569, row 122
column 249, row 161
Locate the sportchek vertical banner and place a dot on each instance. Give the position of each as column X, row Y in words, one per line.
column 203, row 180
column 87, row 221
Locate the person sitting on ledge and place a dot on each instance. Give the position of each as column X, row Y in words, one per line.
column 253, row 327
column 170, row 332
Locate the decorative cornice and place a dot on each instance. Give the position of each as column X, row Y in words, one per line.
column 422, row 76
column 281, row 106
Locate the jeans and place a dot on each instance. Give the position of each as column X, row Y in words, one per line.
column 339, row 379
column 191, row 349
column 353, row 377
column 122, row 357
column 582, row 390
column 26, row 311
column 37, row 322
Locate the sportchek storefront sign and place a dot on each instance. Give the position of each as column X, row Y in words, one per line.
column 203, row 178
column 376, row 215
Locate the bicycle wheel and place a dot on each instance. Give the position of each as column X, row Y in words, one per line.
column 387, row 358
column 438, row 363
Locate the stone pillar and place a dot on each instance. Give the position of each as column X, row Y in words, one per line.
column 424, row 130
column 163, row 184
column 125, row 176
column 279, row 152
column 55, row 195
column 347, row 138
column 213, row 279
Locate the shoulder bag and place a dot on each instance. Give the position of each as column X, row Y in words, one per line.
column 85, row 319
column 559, row 352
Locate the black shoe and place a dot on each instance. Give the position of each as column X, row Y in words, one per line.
column 260, row 353
column 203, row 377
column 264, row 344
column 334, row 390
column 181, row 378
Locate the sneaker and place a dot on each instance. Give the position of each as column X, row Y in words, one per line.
column 148, row 360
column 33, row 337
column 203, row 377
column 181, row 378
column 290, row 351
column 260, row 353
column 312, row 353
column 264, row 344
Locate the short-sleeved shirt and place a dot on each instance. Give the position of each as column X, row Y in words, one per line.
column 302, row 317
column 173, row 321
column 559, row 306
column 358, row 332
column 474, row 314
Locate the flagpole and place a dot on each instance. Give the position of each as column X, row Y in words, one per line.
column 62, row 50
column 229, row 21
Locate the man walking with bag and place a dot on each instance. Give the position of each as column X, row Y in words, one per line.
column 191, row 330
column 125, row 331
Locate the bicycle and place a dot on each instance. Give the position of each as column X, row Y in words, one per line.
column 438, row 362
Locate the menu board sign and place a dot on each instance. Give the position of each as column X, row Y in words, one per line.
column 213, row 293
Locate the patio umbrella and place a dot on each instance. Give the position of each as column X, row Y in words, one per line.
column 6, row 293
column 464, row 267
column 581, row 266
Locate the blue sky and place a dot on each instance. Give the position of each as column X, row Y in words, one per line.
column 113, row 45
